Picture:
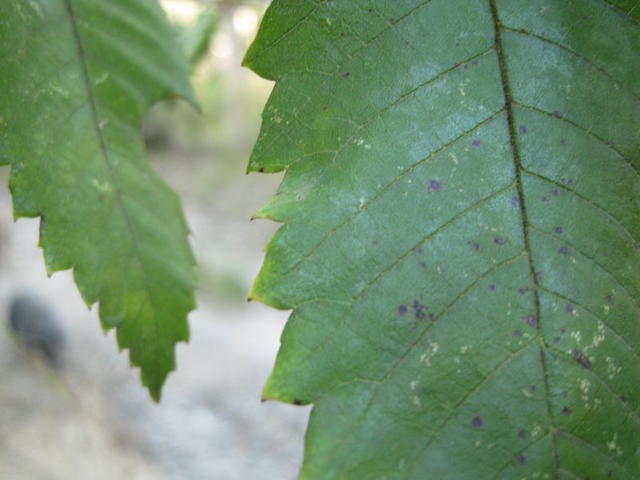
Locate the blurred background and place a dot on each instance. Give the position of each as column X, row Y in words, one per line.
column 90, row 418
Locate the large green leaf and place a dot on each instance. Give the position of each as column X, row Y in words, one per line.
column 460, row 246
column 76, row 78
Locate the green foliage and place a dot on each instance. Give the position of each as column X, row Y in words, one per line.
column 460, row 240
column 196, row 37
column 77, row 79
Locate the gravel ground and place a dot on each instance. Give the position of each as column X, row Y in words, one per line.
column 93, row 419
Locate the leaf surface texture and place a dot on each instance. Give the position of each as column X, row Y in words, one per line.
column 460, row 240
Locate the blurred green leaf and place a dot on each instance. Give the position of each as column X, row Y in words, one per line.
column 196, row 38
column 223, row 284
column 77, row 78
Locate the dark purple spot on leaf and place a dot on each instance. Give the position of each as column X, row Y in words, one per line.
column 563, row 331
column 492, row 287
column 558, row 230
column 477, row 421
column 522, row 129
column 522, row 434
column 557, row 114
column 423, row 264
column 556, row 339
column 532, row 388
column 475, row 245
column 582, row 359
column 419, row 310
column 523, row 290
column 563, row 141
column 539, row 276
column 374, row 242
column 515, row 201
column 499, row 241
column 402, row 310
column 567, row 411
column 521, row 459
column 517, row 333
column 564, row 250
column 346, row 75
column 569, row 308
column 532, row 320
column 555, row 192
column 609, row 299
column 435, row 185
column 475, row 142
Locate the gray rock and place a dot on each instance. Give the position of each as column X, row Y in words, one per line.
column 37, row 327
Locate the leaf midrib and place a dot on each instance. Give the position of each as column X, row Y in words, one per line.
column 517, row 163
column 105, row 153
